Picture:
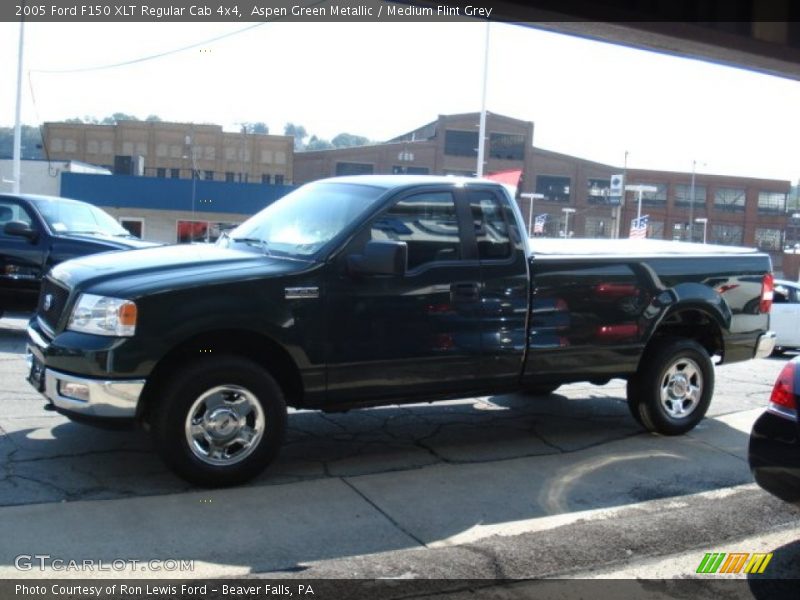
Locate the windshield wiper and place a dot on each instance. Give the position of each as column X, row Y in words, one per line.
column 263, row 243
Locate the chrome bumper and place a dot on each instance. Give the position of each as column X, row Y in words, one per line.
column 765, row 345
column 112, row 398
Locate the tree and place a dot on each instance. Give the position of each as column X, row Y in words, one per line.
column 315, row 143
column 153, row 119
column 30, row 142
column 118, row 116
column 298, row 132
column 347, row 140
column 259, row 127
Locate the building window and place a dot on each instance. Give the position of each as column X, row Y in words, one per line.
column 141, row 148
column 428, row 224
column 175, row 151
column 597, row 192
column 657, row 198
column 771, row 202
column 729, row 199
column 266, row 156
column 192, row 231
column 161, row 172
column 683, row 195
column 106, row 147
column 506, row 146
column 280, row 157
column 597, row 227
column 399, row 170
column 265, row 178
column 349, row 168
column 210, row 152
column 768, row 239
column 278, row 179
column 92, row 147
column 161, row 150
column 729, row 235
column 134, row 225
column 127, row 148
column 655, row 229
column 460, row 143
column 175, row 173
column 229, row 177
column 553, row 188
column 209, row 176
column 230, row 153
column 56, row 145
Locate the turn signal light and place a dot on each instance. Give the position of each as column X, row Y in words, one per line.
column 767, row 290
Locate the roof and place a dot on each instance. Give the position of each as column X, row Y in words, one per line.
column 393, row 181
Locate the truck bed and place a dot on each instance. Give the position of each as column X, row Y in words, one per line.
column 627, row 247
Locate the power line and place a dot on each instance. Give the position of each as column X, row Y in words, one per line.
column 149, row 57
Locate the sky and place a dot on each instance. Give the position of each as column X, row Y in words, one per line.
column 589, row 99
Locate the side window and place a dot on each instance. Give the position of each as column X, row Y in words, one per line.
column 11, row 211
column 427, row 223
column 491, row 228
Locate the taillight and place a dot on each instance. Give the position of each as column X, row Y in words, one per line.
column 767, row 287
column 783, row 391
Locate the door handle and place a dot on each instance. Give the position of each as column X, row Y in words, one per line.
column 465, row 291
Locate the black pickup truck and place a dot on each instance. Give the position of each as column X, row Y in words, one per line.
column 361, row 291
column 37, row 232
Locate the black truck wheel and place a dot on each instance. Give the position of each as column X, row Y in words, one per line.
column 220, row 422
column 672, row 390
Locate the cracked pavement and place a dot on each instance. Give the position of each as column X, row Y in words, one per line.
column 462, row 488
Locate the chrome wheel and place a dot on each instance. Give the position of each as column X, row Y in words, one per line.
column 681, row 388
column 224, row 425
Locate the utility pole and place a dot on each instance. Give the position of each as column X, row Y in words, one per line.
column 482, row 126
column 691, row 204
column 17, row 157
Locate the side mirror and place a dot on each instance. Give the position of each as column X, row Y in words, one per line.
column 381, row 257
column 21, row 229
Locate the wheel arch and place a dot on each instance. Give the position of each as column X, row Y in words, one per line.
column 256, row 347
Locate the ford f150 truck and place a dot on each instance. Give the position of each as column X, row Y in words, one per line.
column 361, row 291
column 37, row 232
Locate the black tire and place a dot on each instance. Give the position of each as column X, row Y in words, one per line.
column 541, row 389
column 230, row 399
column 672, row 390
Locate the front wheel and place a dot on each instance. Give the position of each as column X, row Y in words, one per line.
column 672, row 390
column 220, row 423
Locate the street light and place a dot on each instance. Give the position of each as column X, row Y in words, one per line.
column 194, row 177
column 691, row 200
column 704, row 221
column 567, row 212
column 531, row 198
column 640, row 189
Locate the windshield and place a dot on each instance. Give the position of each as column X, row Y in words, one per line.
column 78, row 217
column 303, row 221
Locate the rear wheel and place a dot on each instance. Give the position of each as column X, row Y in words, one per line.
column 220, row 423
column 672, row 390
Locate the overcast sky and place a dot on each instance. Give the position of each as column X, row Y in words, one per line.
column 589, row 99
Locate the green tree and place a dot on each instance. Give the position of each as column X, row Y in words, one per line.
column 30, row 142
column 315, row 143
column 153, row 118
column 348, row 140
column 298, row 132
column 258, row 127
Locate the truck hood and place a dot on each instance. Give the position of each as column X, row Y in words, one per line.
column 163, row 268
column 110, row 242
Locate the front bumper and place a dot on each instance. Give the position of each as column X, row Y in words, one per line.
column 765, row 344
column 774, row 455
column 78, row 396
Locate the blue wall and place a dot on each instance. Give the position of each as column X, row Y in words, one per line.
column 126, row 191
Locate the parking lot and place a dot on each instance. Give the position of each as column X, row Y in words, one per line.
column 504, row 486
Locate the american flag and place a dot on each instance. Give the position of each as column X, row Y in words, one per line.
column 639, row 228
column 538, row 224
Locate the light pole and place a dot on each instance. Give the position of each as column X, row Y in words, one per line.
column 691, row 200
column 194, row 178
column 567, row 212
column 531, row 198
column 704, row 221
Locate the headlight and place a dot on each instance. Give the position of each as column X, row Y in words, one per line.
column 102, row 315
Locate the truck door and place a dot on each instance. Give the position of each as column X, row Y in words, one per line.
column 505, row 287
column 414, row 334
column 21, row 259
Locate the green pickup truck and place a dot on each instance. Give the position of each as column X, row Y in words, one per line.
column 361, row 291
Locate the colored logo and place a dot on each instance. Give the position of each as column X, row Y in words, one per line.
column 734, row 562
